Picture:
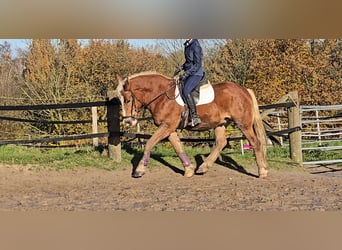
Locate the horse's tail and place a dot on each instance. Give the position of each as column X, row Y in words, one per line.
column 257, row 124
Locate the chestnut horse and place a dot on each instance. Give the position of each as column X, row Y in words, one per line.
column 232, row 102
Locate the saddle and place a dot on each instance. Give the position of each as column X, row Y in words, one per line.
column 203, row 94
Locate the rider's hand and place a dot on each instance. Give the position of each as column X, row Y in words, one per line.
column 179, row 69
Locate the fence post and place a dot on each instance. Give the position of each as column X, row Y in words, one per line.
column 318, row 129
column 295, row 137
column 113, row 120
column 94, row 125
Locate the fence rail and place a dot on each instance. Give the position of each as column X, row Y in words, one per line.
column 7, row 118
column 128, row 135
column 284, row 130
column 322, row 129
column 113, row 123
column 54, row 106
column 95, row 135
column 54, row 139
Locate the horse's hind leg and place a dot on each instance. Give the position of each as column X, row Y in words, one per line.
column 221, row 142
column 260, row 154
column 162, row 132
column 189, row 169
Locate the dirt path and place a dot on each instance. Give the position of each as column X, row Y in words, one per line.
column 162, row 189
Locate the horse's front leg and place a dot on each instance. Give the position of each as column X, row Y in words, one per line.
column 189, row 169
column 162, row 132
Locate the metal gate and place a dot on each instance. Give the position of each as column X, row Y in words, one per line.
column 322, row 131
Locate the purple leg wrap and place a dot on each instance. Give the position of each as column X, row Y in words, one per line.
column 185, row 159
column 146, row 158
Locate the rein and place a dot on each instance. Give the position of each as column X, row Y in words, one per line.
column 163, row 93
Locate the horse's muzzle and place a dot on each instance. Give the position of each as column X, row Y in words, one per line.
column 130, row 122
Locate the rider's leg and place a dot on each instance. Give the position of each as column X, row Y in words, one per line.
column 190, row 84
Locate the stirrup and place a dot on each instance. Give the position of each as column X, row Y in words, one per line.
column 195, row 121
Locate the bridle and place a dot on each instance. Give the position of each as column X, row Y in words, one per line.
column 145, row 106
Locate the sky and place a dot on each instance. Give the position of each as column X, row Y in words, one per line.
column 15, row 43
column 23, row 43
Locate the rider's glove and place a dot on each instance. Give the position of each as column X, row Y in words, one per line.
column 179, row 69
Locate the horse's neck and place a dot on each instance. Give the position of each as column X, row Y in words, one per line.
column 154, row 86
column 152, row 91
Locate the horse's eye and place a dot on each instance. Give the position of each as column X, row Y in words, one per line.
column 128, row 101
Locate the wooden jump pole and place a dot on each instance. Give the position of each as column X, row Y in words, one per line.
column 113, row 120
column 296, row 136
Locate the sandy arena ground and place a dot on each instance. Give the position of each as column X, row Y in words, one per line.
column 164, row 188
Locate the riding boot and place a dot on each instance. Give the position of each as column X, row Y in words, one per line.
column 195, row 120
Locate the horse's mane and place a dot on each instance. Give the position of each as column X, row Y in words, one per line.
column 147, row 73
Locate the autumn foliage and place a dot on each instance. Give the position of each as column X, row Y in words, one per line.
column 64, row 70
column 272, row 68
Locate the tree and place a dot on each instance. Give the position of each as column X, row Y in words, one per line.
column 278, row 67
column 327, row 58
column 10, row 80
column 103, row 61
column 52, row 76
column 274, row 67
column 173, row 50
column 232, row 62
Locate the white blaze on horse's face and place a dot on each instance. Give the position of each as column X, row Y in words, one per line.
column 128, row 109
column 127, row 101
column 119, row 90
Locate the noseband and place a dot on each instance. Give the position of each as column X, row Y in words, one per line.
column 133, row 106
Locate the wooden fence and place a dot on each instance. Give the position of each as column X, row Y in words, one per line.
column 51, row 106
column 115, row 133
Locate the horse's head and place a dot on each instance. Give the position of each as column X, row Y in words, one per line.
column 129, row 102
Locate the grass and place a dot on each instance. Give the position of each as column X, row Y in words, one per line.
column 162, row 154
column 317, row 153
column 57, row 158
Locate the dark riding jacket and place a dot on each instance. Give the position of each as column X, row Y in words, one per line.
column 193, row 58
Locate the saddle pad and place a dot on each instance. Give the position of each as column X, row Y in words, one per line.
column 206, row 95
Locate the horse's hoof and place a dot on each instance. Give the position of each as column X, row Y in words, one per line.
column 137, row 174
column 189, row 171
column 202, row 169
column 263, row 174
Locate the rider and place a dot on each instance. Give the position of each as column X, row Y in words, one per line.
column 193, row 74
